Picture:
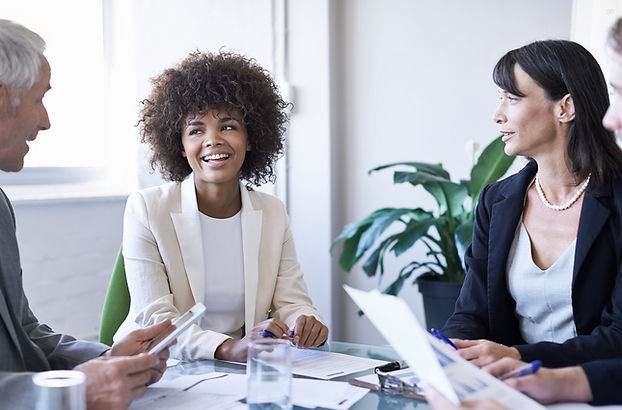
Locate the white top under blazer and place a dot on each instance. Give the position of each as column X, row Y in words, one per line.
column 165, row 270
column 223, row 258
column 543, row 297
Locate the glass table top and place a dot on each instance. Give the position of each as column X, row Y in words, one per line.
column 372, row 400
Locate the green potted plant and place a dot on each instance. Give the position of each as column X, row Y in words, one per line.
column 445, row 232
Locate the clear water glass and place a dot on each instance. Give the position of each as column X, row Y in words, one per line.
column 269, row 371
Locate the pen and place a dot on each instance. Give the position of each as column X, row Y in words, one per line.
column 443, row 338
column 267, row 333
column 531, row 368
column 389, row 367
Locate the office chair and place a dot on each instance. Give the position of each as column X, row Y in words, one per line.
column 116, row 304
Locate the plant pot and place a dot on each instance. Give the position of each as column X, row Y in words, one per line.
column 439, row 300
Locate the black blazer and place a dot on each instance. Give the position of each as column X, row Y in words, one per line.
column 605, row 378
column 485, row 309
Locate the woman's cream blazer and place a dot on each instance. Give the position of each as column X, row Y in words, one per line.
column 163, row 251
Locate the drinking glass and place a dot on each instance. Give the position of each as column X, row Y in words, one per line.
column 269, row 371
column 60, row 390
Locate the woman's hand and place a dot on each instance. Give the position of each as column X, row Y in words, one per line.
column 236, row 350
column 309, row 332
column 546, row 385
column 438, row 401
column 482, row 352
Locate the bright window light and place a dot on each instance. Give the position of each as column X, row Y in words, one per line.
column 73, row 33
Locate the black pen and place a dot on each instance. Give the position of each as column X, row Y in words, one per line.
column 389, row 367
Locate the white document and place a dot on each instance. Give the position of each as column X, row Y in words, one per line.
column 328, row 365
column 223, row 390
column 432, row 360
column 191, row 392
column 311, row 393
column 307, row 393
column 323, row 365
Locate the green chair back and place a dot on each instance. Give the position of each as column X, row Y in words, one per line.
column 116, row 304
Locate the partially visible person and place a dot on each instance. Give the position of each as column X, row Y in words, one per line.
column 440, row 402
column 597, row 382
column 544, row 277
column 613, row 117
column 26, row 345
column 215, row 125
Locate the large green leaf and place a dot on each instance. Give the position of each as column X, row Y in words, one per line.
column 413, row 232
column 434, row 169
column 351, row 234
column 395, row 286
column 448, row 195
column 378, row 226
column 491, row 165
column 377, row 256
column 348, row 258
column 464, row 236
column 354, row 228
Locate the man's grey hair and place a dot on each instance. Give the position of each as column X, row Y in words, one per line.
column 21, row 52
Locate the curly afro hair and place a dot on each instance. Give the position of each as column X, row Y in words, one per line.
column 223, row 81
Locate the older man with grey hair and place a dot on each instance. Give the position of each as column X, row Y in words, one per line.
column 113, row 378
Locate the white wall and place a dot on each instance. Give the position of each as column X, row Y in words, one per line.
column 67, row 250
column 375, row 81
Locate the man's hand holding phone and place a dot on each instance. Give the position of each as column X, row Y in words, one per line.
column 178, row 327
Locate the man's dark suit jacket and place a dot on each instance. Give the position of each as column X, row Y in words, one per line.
column 25, row 344
column 485, row 309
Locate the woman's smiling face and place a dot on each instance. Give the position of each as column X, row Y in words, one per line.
column 528, row 122
column 215, row 145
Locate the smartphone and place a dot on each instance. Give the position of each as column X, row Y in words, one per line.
column 181, row 323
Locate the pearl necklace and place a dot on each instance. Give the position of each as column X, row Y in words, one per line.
column 568, row 204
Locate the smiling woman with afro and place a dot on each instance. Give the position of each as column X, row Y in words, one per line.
column 215, row 125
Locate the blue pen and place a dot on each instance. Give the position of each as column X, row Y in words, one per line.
column 531, row 368
column 443, row 338
column 267, row 333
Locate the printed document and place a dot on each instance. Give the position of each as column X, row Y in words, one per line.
column 223, row 390
column 191, row 392
column 432, row 360
column 328, row 365
column 319, row 364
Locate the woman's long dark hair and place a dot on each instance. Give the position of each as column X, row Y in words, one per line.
column 563, row 67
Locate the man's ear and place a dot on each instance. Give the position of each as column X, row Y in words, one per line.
column 565, row 106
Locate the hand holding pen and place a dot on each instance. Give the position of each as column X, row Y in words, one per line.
column 542, row 384
column 528, row 369
column 267, row 333
column 308, row 331
column 443, row 338
column 273, row 328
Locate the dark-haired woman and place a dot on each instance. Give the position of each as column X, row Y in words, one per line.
column 544, row 270
column 212, row 122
